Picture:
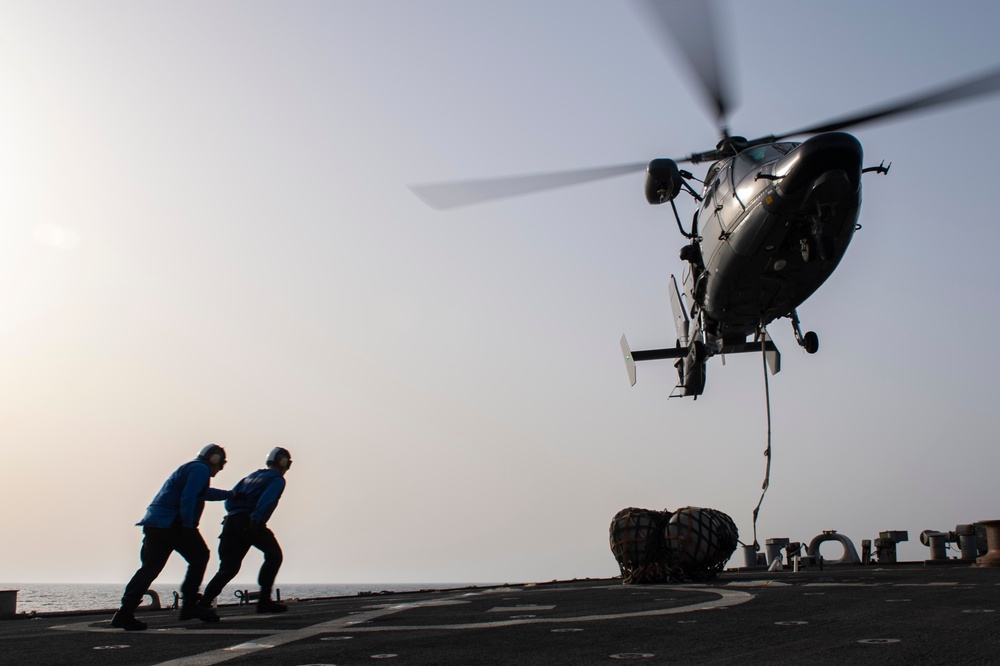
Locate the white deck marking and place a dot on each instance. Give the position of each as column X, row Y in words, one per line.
column 519, row 609
column 266, row 638
column 924, row 584
column 726, row 598
column 844, row 585
column 274, row 640
column 179, row 631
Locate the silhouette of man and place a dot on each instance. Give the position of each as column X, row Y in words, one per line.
column 245, row 525
column 171, row 524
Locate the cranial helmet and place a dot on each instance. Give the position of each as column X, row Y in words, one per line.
column 213, row 454
column 280, row 458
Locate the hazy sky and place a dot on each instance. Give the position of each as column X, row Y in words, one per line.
column 206, row 236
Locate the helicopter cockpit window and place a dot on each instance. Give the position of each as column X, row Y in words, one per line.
column 751, row 159
column 711, row 183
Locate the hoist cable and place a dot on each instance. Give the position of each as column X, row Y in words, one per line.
column 767, row 451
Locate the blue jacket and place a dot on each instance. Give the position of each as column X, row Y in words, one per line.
column 262, row 490
column 183, row 497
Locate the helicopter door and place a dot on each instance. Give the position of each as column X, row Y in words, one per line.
column 727, row 205
column 718, row 197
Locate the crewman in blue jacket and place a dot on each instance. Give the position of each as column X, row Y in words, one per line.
column 171, row 523
column 245, row 525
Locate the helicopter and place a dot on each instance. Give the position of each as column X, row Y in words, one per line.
column 773, row 219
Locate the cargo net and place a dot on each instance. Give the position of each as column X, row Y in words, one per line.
column 691, row 543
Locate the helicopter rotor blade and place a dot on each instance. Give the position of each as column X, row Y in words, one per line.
column 443, row 196
column 978, row 86
column 690, row 26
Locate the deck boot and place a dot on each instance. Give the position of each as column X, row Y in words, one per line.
column 266, row 605
column 125, row 619
column 269, row 606
column 194, row 609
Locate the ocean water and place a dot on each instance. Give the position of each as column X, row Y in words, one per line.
column 52, row 597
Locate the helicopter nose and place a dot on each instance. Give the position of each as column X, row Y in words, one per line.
column 832, row 151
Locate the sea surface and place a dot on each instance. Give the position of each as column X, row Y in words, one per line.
column 52, row 597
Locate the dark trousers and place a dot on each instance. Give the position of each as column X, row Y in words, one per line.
column 234, row 543
column 157, row 545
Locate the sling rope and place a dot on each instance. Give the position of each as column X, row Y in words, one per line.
column 767, row 451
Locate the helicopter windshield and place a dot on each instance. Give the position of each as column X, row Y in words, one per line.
column 751, row 159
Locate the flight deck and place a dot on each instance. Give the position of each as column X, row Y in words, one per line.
column 901, row 614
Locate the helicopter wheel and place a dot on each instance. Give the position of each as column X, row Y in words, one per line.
column 810, row 342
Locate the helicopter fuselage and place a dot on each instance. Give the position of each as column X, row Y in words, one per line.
column 774, row 217
column 773, row 223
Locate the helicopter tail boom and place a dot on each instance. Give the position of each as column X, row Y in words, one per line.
column 647, row 355
column 692, row 359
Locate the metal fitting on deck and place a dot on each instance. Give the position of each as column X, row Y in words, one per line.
column 992, row 556
column 885, row 545
column 850, row 555
column 772, row 547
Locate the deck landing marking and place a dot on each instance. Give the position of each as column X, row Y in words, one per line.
column 249, row 646
column 725, row 598
column 270, row 638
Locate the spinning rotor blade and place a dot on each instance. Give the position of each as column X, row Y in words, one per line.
column 984, row 84
column 442, row 196
column 691, row 27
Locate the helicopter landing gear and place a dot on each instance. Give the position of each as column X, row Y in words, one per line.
column 809, row 341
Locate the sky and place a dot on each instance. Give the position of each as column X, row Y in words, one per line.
column 206, row 236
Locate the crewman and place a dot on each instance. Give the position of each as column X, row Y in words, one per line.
column 245, row 525
column 171, row 523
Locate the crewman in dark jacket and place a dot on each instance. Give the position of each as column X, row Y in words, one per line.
column 171, row 523
column 245, row 525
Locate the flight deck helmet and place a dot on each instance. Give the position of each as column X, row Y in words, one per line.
column 213, row 454
column 279, row 457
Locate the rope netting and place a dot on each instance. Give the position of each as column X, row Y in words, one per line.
column 692, row 543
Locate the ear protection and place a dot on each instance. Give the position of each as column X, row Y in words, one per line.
column 280, row 458
column 213, row 454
